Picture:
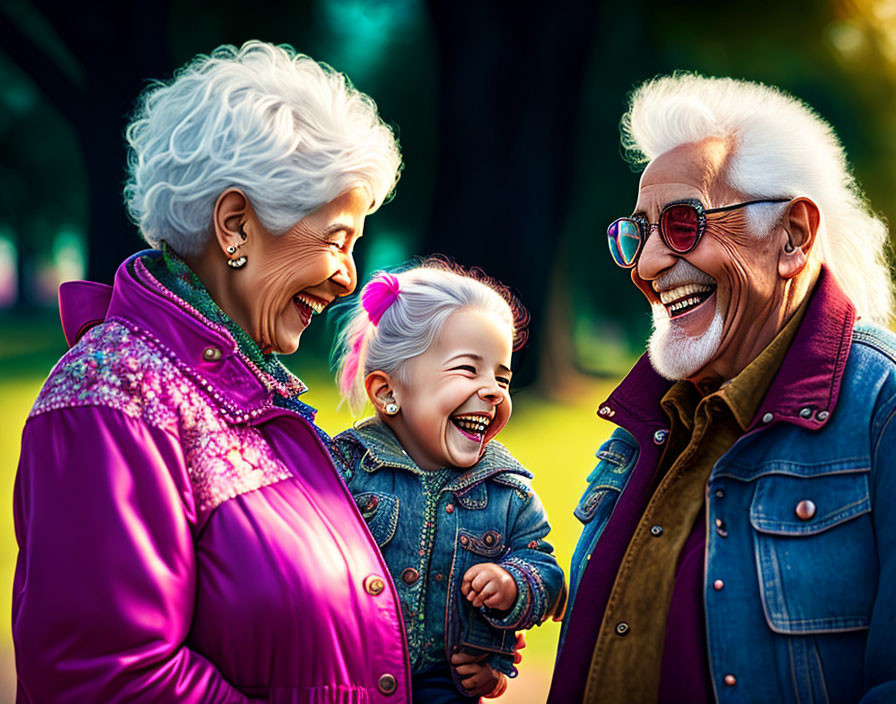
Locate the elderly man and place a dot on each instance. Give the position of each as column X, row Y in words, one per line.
column 740, row 527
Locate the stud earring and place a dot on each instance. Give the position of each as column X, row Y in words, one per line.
column 231, row 250
column 391, row 408
column 237, row 263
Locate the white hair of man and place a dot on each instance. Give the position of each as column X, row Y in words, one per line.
column 781, row 148
column 428, row 296
column 292, row 133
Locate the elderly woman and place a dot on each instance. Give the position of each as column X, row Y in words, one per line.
column 183, row 534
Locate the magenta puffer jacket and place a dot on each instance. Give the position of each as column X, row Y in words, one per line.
column 181, row 537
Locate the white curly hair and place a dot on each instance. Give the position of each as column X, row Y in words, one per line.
column 782, row 147
column 292, row 133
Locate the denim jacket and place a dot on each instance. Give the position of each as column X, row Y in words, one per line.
column 487, row 513
column 801, row 519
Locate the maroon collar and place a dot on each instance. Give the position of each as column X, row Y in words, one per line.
column 804, row 391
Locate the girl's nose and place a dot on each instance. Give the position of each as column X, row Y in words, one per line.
column 492, row 394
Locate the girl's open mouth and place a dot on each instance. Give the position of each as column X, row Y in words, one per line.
column 472, row 425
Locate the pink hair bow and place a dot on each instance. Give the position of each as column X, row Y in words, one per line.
column 378, row 295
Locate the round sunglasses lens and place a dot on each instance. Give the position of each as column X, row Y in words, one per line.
column 625, row 241
column 679, row 225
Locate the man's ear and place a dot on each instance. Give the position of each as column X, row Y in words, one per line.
column 797, row 236
column 379, row 389
column 229, row 218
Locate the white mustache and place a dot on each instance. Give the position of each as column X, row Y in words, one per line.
column 683, row 272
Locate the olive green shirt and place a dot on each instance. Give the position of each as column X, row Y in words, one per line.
column 702, row 428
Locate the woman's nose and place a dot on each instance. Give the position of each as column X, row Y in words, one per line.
column 346, row 277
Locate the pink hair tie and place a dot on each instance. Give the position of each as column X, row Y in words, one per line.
column 378, row 295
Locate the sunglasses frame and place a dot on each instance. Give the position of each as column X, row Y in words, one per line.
column 644, row 226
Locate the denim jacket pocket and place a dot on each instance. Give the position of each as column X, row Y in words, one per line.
column 476, row 632
column 616, row 458
column 814, row 549
column 380, row 512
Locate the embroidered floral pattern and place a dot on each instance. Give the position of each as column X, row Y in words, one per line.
column 120, row 368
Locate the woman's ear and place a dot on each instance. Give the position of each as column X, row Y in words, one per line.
column 378, row 385
column 232, row 210
column 799, row 229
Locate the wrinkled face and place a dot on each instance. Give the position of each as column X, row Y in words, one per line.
column 710, row 304
column 290, row 277
column 454, row 398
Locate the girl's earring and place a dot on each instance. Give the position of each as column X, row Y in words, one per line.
column 391, row 408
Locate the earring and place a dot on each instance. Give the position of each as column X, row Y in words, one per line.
column 237, row 263
column 231, row 250
column 391, row 408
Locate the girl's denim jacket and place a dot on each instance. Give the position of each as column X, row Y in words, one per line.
column 487, row 513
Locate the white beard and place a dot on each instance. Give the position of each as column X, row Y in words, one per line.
column 676, row 355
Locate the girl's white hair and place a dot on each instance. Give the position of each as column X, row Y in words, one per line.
column 781, row 148
column 428, row 296
column 292, row 133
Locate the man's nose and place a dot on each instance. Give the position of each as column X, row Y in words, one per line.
column 655, row 256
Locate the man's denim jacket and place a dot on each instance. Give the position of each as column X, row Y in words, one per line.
column 488, row 513
column 808, row 612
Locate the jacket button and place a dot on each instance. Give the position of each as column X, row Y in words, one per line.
column 721, row 528
column 438, row 577
column 622, row 628
column 449, row 508
column 730, row 680
column 768, row 418
column 387, row 684
column 805, row 509
column 718, row 585
column 373, row 503
column 464, row 540
column 822, row 415
column 211, row 354
column 374, row 585
column 660, row 436
column 410, row 575
column 656, row 531
column 806, row 412
column 720, row 493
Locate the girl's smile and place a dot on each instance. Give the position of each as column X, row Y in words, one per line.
column 454, row 397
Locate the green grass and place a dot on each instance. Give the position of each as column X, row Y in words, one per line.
column 556, row 441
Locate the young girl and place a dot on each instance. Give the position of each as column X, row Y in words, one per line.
column 452, row 511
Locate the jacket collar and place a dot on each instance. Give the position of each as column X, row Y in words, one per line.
column 804, row 391
column 384, row 450
column 206, row 351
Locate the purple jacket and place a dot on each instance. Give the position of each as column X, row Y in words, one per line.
column 181, row 538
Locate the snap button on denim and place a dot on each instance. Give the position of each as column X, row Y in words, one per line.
column 720, row 493
column 805, row 509
column 768, row 418
column 806, row 412
column 410, row 575
column 822, row 415
column 659, row 437
column 721, row 528
column 718, row 585
column 730, row 680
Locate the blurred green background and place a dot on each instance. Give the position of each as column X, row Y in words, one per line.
column 508, row 121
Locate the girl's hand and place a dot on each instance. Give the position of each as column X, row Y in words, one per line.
column 477, row 678
column 489, row 585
